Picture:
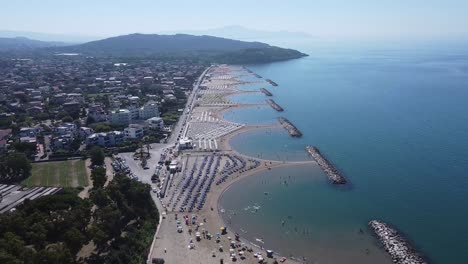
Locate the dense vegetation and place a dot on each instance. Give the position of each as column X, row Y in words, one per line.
column 54, row 229
column 255, row 55
column 208, row 48
column 14, row 167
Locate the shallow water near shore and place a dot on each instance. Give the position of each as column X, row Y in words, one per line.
column 284, row 200
column 394, row 122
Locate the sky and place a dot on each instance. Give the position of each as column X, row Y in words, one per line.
column 337, row 18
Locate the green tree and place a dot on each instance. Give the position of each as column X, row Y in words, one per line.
column 98, row 175
column 55, row 254
column 74, row 239
column 67, row 119
column 14, row 168
column 75, row 144
column 97, row 156
column 29, row 149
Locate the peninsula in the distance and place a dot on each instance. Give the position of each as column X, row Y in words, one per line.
column 181, row 45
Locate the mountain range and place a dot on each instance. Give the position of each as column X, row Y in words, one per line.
column 22, row 43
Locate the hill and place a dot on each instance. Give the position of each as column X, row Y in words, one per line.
column 182, row 45
column 22, row 43
column 50, row 37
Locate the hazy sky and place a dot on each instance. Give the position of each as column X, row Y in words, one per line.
column 374, row 18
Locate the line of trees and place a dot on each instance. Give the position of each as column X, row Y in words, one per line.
column 120, row 219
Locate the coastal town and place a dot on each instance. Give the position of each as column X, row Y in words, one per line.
column 160, row 123
column 157, row 123
column 223, row 132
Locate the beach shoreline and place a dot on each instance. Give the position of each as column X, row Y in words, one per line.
column 211, row 211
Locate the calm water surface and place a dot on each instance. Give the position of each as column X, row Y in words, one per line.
column 394, row 121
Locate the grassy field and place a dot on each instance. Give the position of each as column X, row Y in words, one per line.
column 70, row 173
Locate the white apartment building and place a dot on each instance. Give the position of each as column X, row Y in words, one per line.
column 134, row 131
column 149, row 110
column 109, row 139
column 122, row 116
column 134, row 111
column 155, row 123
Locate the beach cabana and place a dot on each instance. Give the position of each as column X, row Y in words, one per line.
column 269, row 253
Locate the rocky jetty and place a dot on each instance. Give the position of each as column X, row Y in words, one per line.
column 258, row 76
column 274, row 105
column 266, row 92
column 292, row 129
column 271, row 82
column 333, row 174
column 395, row 244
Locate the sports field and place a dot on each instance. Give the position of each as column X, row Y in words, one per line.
column 70, row 173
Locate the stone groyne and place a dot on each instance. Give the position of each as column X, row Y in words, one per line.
column 258, row 76
column 333, row 174
column 271, row 82
column 274, row 105
column 395, row 244
column 292, row 129
column 266, row 92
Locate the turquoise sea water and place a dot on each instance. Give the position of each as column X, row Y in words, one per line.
column 394, row 121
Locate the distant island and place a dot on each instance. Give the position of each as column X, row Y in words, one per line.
column 209, row 48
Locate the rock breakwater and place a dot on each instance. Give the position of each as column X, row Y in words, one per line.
column 395, row 244
column 274, row 105
column 333, row 174
column 271, row 82
column 292, row 129
column 266, row 92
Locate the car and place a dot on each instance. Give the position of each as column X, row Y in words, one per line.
column 155, row 190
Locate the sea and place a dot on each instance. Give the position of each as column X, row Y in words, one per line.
column 393, row 118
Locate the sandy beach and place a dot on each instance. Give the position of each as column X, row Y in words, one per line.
column 179, row 244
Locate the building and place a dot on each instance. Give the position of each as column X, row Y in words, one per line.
column 174, row 166
column 61, row 142
column 134, row 131
column 85, row 132
column 122, row 116
column 65, row 129
column 5, row 135
column 31, row 140
column 155, row 123
column 71, row 106
column 97, row 113
column 134, row 99
column 77, row 97
column 59, row 98
column 149, row 110
column 185, row 143
column 109, row 139
column 134, row 112
column 170, row 97
column 29, row 131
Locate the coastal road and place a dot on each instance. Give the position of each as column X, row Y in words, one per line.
column 145, row 176
column 182, row 122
